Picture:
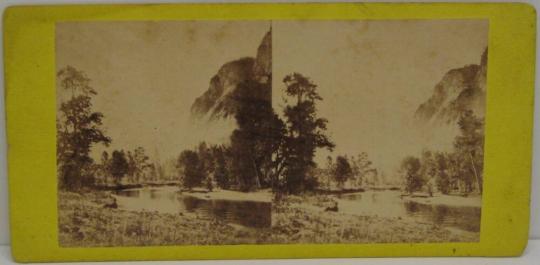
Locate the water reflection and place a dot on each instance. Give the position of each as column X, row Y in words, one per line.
column 390, row 204
column 258, row 214
column 129, row 193
column 246, row 213
column 466, row 218
column 168, row 200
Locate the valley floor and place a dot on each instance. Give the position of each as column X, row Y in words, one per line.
column 85, row 222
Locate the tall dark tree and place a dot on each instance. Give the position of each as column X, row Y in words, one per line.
column 190, row 164
column 132, row 167
column 342, row 171
column 442, row 172
column 428, row 167
column 257, row 136
column 428, row 170
column 410, row 167
column 105, row 167
column 305, row 132
column 329, row 171
column 140, row 163
column 79, row 128
column 119, row 166
column 206, row 158
column 470, row 145
column 221, row 172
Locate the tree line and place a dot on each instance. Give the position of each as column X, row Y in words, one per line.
column 128, row 167
column 78, row 130
column 354, row 169
column 458, row 171
column 265, row 150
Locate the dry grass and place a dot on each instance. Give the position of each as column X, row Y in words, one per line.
column 83, row 222
column 296, row 222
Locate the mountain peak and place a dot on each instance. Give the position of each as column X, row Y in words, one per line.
column 216, row 101
column 460, row 89
column 263, row 62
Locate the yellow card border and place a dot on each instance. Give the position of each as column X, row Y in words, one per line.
column 29, row 54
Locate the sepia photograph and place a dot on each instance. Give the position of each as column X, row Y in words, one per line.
column 270, row 132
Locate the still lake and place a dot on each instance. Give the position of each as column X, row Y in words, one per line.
column 257, row 214
column 390, row 204
column 169, row 200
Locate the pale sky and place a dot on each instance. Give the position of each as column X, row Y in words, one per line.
column 371, row 74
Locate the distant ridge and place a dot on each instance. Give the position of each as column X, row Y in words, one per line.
column 459, row 90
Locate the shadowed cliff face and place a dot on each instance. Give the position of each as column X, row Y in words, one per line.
column 460, row 90
column 262, row 69
column 217, row 102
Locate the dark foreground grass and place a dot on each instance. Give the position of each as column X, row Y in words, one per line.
column 84, row 222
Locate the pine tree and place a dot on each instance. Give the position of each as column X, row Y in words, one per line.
column 305, row 131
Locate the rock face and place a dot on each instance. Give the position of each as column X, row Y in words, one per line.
column 222, row 84
column 263, row 62
column 217, row 101
column 460, row 90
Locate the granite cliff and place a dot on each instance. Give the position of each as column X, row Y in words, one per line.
column 216, row 102
column 459, row 90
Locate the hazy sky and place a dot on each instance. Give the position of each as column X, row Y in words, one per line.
column 148, row 74
column 371, row 74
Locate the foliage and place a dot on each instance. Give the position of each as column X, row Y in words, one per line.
column 119, row 165
column 265, row 151
column 342, row 171
column 190, row 164
column 138, row 163
column 329, row 172
column 470, row 145
column 410, row 167
column 257, row 136
column 205, row 158
column 361, row 167
column 78, row 129
column 221, row 172
column 105, row 167
column 457, row 171
column 305, row 132
column 442, row 165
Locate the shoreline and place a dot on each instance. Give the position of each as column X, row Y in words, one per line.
column 257, row 196
column 448, row 200
column 266, row 195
